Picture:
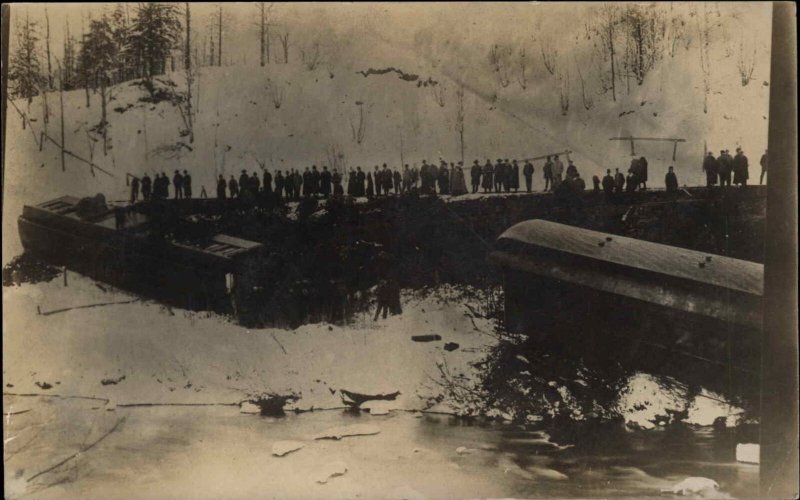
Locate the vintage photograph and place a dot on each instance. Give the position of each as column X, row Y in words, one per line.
column 399, row 250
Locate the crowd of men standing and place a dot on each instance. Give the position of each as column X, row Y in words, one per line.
column 719, row 170
column 502, row 176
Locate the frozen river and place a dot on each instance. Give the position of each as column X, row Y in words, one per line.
column 217, row 452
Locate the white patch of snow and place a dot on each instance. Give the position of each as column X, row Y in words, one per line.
column 748, row 453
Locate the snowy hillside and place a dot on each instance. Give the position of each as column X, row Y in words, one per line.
column 287, row 116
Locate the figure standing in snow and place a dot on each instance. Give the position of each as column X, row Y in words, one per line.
column 642, row 174
column 187, row 184
column 548, row 175
column 527, row 171
column 608, row 185
column 267, row 182
column 724, row 166
column 488, row 172
column 325, row 182
column 475, row 176
column 336, row 179
column 619, row 181
column 458, row 184
column 177, row 182
column 244, row 181
column 135, row 190
column 514, row 173
column 233, row 187
column 147, row 186
column 558, row 171
column 671, row 181
column 764, row 162
column 741, row 172
column 710, row 167
column 222, row 186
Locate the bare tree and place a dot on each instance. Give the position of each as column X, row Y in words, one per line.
column 264, row 12
column 704, row 30
column 61, row 96
column 187, row 63
column 359, row 131
column 549, row 56
column 523, row 66
column 219, row 35
column 563, row 91
column 284, row 38
column 460, row 117
column 746, row 64
column 47, row 49
column 311, row 56
column 588, row 103
column 606, row 30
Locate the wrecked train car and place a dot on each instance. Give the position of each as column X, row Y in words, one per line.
column 608, row 297
column 138, row 251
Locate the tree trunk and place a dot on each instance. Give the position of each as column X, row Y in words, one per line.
column 189, row 76
column 613, row 69
column 63, row 144
column 47, row 47
column 261, row 8
column 219, row 39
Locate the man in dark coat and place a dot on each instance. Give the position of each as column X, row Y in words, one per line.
column 488, row 173
column 222, row 187
column 499, row 175
column 255, row 184
column 279, row 183
column 633, row 174
column 135, row 190
column 267, row 182
column 316, row 180
column 711, row 168
column 741, row 168
column 233, row 187
column 187, row 184
column 671, row 181
column 548, row 174
column 325, row 182
column 177, row 182
column 398, row 181
column 608, row 185
column 444, row 179
column 527, row 171
column 619, row 181
column 307, row 185
column 724, row 168
column 642, row 173
column 147, row 187
column 386, row 179
column 475, row 176
column 361, row 179
column 336, row 179
column 596, row 183
column 514, row 173
column 244, row 183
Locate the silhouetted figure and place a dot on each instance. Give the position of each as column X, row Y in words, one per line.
column 325, row 179
column 596, row 183
column 370, row 185
column 722, row 169
column 222, row 187
column 279, row 184
column 764, row 162
column 135, row 190
column 398, row 182
column 187, row 184
column 177, row 183
column 641, row 175
column 458, row 185
column 608, row 185
column 741, row 168
column 267, row 182
column 711, row 168
column 336, row 179
column 558, row 171
column 488, row 173
column 233, row 187
column 619, row 181
column 514, row 174
column 147, row 187
column 475, row 176
column 527, row 171
column 671, row 181
column 361, row 179
column 244, row 183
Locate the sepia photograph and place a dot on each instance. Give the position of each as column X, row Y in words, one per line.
column 399, row 250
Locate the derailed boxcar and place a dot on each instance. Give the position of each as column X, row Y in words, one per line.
column 127, row 249
column 614, row 298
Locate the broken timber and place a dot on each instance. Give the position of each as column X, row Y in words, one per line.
column 632, row 140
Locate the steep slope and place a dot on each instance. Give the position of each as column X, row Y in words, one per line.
column 287, row 116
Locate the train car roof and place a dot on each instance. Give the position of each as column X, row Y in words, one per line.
column 707, row 268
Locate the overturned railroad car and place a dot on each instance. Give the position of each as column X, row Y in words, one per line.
column 141, row 253
column 609, row 298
